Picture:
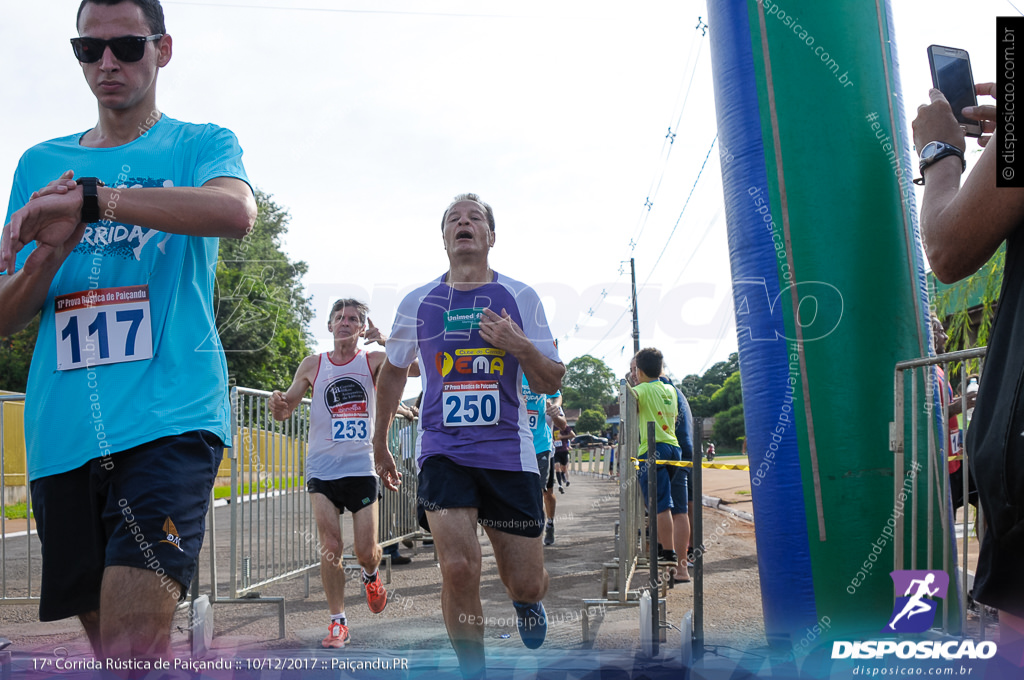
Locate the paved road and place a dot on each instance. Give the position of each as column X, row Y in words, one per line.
column 412, row 624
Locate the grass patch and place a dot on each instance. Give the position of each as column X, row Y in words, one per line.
column 742, row 492
column 16, row 511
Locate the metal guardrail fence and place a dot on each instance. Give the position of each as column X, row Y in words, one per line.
column 19, row 551
column 591, row 460
column 930, row 462
column 630, row 537
column 273, row 532
column 397, row 519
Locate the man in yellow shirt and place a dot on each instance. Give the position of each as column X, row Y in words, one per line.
column 656, row 403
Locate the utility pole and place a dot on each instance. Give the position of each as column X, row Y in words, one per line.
column 636, row 320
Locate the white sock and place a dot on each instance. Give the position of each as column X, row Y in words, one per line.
column 338, row 618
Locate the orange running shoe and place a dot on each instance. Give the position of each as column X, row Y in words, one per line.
column 337, row 635
column 376, row 596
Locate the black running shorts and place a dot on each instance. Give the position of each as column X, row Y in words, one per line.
column 507, row 501
column 143, row 508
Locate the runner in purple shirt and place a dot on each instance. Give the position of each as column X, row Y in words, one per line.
column 476, row 333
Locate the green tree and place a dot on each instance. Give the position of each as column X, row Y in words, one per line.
column 700, row 406
column 588, row 384
column 729, row 426
column 15, row 357
column 717, row 374
column 591, row 421
column 690, row 386
column 262, row 315
column 727, row 396
column 953, row 303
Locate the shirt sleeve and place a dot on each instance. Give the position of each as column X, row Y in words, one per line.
column 221, row 156
column 19, row 197
column 401, row 347
column 535, row 323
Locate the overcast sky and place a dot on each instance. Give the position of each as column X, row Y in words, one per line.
column 364, row 120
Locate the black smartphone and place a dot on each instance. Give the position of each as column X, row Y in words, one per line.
column 951, row 75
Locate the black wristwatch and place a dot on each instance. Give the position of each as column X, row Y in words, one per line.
column 935, row 151
column 90, row 198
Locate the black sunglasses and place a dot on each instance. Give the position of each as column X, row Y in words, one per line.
column 126, row 48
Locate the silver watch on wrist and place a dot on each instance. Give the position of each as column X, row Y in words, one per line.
column 936, row 151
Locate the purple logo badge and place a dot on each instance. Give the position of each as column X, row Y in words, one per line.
column 914, row 611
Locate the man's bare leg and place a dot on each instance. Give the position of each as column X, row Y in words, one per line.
column 681, row 529
column 364, row 529
column 137, row 607
column 458, row 551
column 549, row 504
column 520, row 565
column 91, row 623
column 332, row 572
column 665, row 530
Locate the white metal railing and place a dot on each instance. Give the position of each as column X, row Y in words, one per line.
column 928, row 460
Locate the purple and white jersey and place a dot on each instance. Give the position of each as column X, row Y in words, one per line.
column 472, row 411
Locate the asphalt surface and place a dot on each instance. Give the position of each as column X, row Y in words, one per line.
column 412, row 627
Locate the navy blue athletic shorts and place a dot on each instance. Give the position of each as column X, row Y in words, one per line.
column 507, row 501
column 354, row 493
column 144, row 507
column 665, row 475
column 681, row 490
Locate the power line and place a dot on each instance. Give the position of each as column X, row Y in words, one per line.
column 682, row 212
column 349, row 11
column 667, row 146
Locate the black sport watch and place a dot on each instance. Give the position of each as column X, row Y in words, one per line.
column 935, row 151
column 90, row 198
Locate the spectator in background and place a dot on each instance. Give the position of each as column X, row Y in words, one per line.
column 656, row 402
column 682, row 485
column 962, row 227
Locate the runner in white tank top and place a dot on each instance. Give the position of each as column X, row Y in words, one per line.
column 341, row 418
column 340, row 467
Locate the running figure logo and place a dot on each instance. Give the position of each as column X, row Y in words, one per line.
column 914, row 612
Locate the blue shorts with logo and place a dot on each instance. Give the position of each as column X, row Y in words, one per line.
column 143, row 508
column 665, row 475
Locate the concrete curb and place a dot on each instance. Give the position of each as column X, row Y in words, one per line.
column 716, row 503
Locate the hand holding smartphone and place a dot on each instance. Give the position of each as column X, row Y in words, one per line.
column 951, row 75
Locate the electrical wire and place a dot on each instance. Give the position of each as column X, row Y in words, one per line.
column 348, row 11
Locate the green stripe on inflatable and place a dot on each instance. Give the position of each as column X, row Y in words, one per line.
column 832, row 141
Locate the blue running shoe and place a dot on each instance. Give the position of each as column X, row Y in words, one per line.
column 532, row 623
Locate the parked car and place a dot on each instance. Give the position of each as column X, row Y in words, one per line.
column 585, row 440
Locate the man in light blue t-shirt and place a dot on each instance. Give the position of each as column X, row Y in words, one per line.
column 543, row 411
column 112, row 235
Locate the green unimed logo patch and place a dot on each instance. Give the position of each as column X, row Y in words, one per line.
column 463, row 319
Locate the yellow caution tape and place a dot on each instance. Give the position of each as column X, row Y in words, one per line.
column 687, row 463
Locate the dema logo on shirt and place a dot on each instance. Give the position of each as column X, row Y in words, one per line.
column 480, row 361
